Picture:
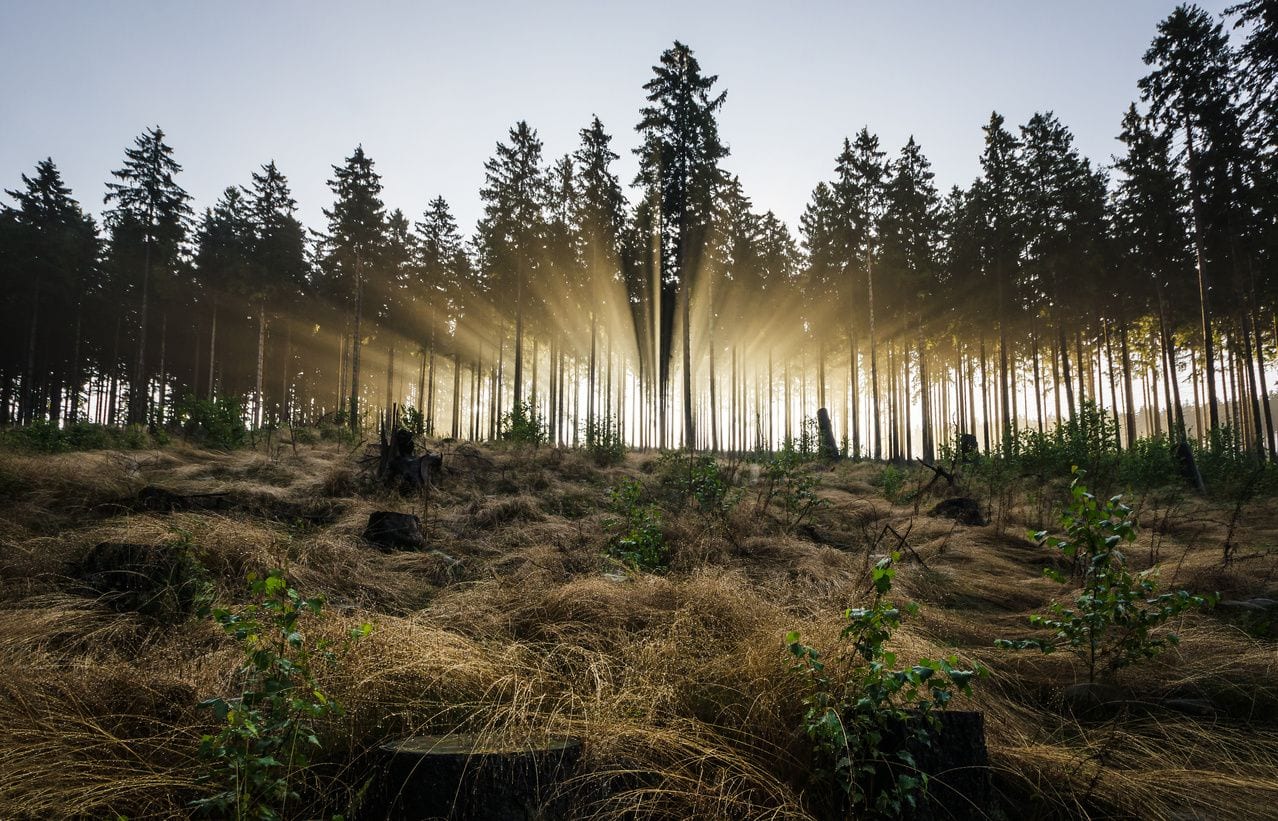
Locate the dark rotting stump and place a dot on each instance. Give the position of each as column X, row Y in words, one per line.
column 955, row 760
column 395, row 531
column 153, row 579
column 464, row 777
column 962, row 509
column 825, row 435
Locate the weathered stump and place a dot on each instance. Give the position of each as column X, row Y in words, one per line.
column 461, row 777
column 826, row 443
column 395, row 531
column 398, row 464
column 159, row 580
column 954, row 759
column 962, row 509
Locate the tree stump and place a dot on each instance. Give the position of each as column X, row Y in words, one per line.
column 962, row 509
column 398, row 464
column 158, row 580
column 463, row 776
column 828, row 447
column 395, row 531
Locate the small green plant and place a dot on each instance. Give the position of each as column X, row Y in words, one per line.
column 603, row 441
column 699, row 479
column 793, row 491
column 1114, row 618
column 852, row 721
column 268, row 732
column 216, row 423
column 523, row 425
column 892, row 480
column 638, row 540
column 411, row 418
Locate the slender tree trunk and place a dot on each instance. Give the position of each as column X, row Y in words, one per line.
column 1203, row 287
column 138, row 393
column 356, row 344
column 259, row 409
column 164, row 377
column 286, row 376
column 874, row 366
column 26, row 403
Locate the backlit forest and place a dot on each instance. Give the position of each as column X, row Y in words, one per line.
column 671, row 309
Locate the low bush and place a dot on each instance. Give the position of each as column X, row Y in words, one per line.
column 523, row 425
column 1114, row 618
column 850, row 720
column 268, row 732
column 214, row 423
column 637, row 539
column 604, row 442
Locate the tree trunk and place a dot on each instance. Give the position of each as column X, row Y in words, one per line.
column 26, row 402
column 356, row 344
column 259, row 410
column 1203, row 287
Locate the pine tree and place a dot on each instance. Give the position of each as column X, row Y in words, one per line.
column 150, row 210
column 511, row 235
column 224, row 259
column 439, row 291
column 356, row 234
column 909, row 243
column 679, row 169
column 997, row 198
column 1189, row 90
column 54, row 247
column 279, row 264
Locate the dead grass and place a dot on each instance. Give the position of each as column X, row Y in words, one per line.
column 679, row 684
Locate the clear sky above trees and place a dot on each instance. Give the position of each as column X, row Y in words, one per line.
column 429, row 88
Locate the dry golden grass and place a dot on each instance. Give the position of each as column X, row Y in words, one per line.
column 680, row 684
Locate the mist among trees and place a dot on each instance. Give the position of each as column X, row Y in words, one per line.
column 672, row 306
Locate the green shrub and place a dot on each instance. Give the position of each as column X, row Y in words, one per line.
column 892, row 480
column 637, row 539
column 522, row 425
column 697, row 479
column 267, row 732
column 1114, row 618
column 850, row 720
column 784, row 484
column 216, row 423
column 603, row 442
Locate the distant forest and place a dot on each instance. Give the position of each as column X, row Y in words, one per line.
column 1140, row 293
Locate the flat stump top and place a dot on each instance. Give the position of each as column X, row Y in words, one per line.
column 475, row 744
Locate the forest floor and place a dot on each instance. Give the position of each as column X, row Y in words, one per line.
column 681, row 680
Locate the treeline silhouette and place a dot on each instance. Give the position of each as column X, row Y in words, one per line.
column 1145, row 288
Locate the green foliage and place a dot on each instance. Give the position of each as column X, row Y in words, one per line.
column 807, row 444
column 1113, row 620
column 43, row 436
column 268, row 732
column 638, row 540
column 785, row 485
column 411, row 418
column 216, row 423
column 1089, row 439
column 523, row 425
column 697, row 479
column 851, row 721
column 892, row 480
column 603, row 441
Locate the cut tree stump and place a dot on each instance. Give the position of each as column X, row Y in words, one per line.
column 461, row 777
column 829, row 448
column 962, row 509
column 395, row 531
column 158, row 580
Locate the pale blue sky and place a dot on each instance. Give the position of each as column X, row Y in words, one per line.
column 428, row 88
